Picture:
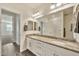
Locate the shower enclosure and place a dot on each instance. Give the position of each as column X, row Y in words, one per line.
column 10, row 27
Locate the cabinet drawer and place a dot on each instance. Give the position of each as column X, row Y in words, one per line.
column 44, row 49
column 35, row 46
column 64, row 52
column 49, row 49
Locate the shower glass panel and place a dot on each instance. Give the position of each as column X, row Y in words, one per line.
column 6, row 25
column 10, row 27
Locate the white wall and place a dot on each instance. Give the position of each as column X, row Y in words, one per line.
column 22, row 33
column 23, row 42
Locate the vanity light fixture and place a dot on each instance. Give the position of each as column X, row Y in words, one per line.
column 52, row 6
column 58, row 4
column 36, row 14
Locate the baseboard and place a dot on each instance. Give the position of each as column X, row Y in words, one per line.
column 28, row 51
column 15, row 44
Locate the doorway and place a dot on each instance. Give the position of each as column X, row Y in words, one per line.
column 10, row 27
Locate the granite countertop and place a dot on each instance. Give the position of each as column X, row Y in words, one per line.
column 73, row 46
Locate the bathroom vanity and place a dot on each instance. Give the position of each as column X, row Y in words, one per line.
column 47, row 46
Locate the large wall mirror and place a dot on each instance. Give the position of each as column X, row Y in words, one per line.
column 30, row 25
column 77, row 24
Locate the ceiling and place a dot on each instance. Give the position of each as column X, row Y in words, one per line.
column 29, row 8
column 68, row 11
